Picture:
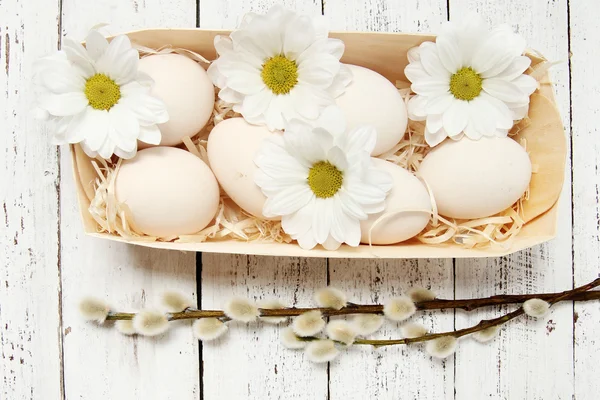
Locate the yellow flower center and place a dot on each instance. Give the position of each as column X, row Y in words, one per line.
column 465, row 84
column 280, row 74
column 325, row 179
column 102, row 92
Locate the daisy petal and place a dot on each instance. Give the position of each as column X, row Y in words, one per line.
column 435, row 122
column 503, row 90
column 322, row 216
column 432, row 63
column 360, row 139
column 431, row 87
column 337, row 157
column 96, row 124
column 526, row 83
column 415, row 72
column 307, row 240
column 417, row 108
column 449, row 53
column 150, row 134
column 439, row 104
column 96, row 44
column 287, row 201
column 299, row 35
column 125, row 127
column 64, row 104
column 298, row 223
column 517, row 67
column 456, row 117
column 435, row 138
column 331, row 244
column 256, row 104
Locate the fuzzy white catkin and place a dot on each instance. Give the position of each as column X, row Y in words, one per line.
column 412, row 330
column 125, row 326
column 441, row 347
column 341, row 331
column 367, row 324
column 175, row 302
column 399, row 308
column 207, row 329
column 150, row 323
column 330, row 297
column 487, row 334
column 418, row 294
column 536, row 308
column 93, row 309
column 239, row 309
column 272, row 304
column 308, row 324
column 290, row 340
column 321, row 351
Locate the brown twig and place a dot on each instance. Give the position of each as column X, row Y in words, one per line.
column 482, row 325
column 436, row 304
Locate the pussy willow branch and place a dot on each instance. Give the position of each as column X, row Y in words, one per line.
column 484, row 324
column 437, row 304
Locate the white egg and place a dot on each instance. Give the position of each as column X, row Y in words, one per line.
column 476, row 178
column 232, row 146
column 373, row 100
column 168, row 190
column 408, row 193
column 185, row 88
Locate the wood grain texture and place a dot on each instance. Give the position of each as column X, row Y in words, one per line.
column 392, row 372
column 531, row 359
column 119, row 367
column 250, row 362
column 395, row 372
column 30, row 347
column 586, row 186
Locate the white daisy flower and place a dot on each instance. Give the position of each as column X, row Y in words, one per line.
column 98, row 98
column 280, row 66
column 322, row 186
column 469, row 81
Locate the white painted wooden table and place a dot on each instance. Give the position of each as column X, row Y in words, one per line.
column 48, row 353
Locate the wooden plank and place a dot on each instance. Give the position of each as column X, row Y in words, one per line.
column 30, row 347
column 378, row 374
column 119, row 367
column 528, row 352
column 586, row 186
column 250, row 362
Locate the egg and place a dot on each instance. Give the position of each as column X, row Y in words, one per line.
column 371, row 99
column 232, row 145
column 187, row 91
column 473, row 179
column 408, row 193
column 169, row 191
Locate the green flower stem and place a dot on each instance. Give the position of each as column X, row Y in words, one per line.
column 438, row 304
